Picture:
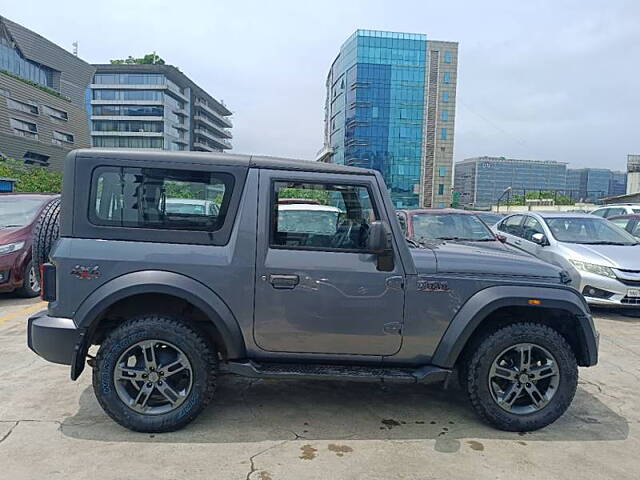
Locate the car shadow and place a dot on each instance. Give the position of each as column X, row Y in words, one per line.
column 629, row 316
column 249, row 410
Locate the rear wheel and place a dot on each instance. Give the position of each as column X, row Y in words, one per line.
column 31, row 286
column 522, row 377
column 154, row 374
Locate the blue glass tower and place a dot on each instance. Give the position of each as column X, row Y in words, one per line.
column 379, row 114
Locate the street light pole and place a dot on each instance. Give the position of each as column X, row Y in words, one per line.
column 506, row 190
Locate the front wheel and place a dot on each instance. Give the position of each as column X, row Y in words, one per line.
column 154, row 374
column 31, row 286
column 522, row 377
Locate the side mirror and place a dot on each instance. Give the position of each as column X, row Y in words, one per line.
column 501, row 238
column 540, row 239
column 379, row 242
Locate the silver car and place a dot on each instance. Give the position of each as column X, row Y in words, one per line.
column 602, row 259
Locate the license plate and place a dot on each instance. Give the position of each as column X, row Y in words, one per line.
column 633, row 293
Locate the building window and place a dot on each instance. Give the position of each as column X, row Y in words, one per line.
column 127, row 126
column 447, row 57
column 443, row 134
column 128, row 110
column 13, row 62
column 24, row 129
column 106, row 94
column 442, row 171
column 32, row 158
column 129, row 79
column 444, row 115
column 440, row 204
column 55, row 113
column 441, row 189
column 445, row 96
column 446, row 77
column 374, row 112
column 60, row 138
column 128, row 142
column 22, row 106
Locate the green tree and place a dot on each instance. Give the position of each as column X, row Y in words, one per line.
column 31, row 179
column 148, row 59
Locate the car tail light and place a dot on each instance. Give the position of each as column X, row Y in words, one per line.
column 48, row 282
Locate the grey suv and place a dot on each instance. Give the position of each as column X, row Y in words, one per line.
column 171, row 295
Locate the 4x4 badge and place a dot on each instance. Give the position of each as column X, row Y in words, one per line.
column 86, row 273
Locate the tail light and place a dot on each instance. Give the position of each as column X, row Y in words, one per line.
column 48, row 282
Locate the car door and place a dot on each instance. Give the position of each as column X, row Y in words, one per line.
column 531, row 226
column 511, row 228
column 318, row 289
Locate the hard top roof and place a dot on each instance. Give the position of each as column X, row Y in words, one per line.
column 228, row 159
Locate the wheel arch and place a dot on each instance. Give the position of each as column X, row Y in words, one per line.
column 148, row 285
column 560, row 308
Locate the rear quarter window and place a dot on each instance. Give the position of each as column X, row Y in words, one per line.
column 159, row 198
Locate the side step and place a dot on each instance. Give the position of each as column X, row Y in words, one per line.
column 424, row 374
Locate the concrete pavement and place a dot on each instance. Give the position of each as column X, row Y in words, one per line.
column 51, row 427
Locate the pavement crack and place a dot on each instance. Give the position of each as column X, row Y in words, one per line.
column 6, row 435
column 253, row 457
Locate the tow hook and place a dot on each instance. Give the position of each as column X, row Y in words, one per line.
column 91, row 361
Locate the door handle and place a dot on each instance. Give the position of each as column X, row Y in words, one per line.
column 284, row 281
column 518, row 242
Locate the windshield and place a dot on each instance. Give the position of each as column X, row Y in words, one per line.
column 449, row 226
column 311, row 222
column 592, row 231
column 18, row 211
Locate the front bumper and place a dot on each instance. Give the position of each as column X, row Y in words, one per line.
column 53, row 338
column 617, row 289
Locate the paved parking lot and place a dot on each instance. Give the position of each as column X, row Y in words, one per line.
column 51, row 427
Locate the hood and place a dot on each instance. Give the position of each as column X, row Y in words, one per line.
column 460, row 258
column 625, row 257
column 10, row 235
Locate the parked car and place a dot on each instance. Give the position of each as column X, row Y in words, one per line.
column 276, row 295
column 602, row 259
column 616, row 210
column 461, row 226
column 631, row 223
column 18, row 215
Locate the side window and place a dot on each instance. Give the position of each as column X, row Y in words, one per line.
column 531, row 226
column 403, row 222
column 511, row 225
column 621, row 222
column 159, row 198
column 612, row 212
column 602, row 212
column 321, row 216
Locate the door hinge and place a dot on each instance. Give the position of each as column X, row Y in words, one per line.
column 392, row 328
column 396, row 282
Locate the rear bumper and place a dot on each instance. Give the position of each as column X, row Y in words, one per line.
column 53, row 338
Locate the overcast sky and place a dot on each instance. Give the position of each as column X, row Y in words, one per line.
column 556, row 80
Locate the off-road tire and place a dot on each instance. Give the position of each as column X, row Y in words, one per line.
column 46, row 231
column 26, row 290
column 200, row 353
column 475, row 377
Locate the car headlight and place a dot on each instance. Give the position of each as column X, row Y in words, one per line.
column 593, row 268
column 10, row 247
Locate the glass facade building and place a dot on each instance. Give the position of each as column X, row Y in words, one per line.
column 377, row 113
column 155, row 106
column 593, row 184
column 481, row 181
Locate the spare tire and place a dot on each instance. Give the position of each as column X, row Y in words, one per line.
column 46, row 231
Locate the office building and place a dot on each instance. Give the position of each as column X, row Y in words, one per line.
column 390, row 106
column 592, row 184
column 42, row 98
column 157, row 107
column 482, row 181
column 633, row 173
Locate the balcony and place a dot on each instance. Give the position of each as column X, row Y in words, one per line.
column 221, row 142
column 220, row 131
column 224, row 121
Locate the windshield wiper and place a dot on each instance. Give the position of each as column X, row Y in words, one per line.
column 464, row 239
column 9, row 226
column 609, row 243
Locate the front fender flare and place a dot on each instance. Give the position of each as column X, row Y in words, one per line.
column 170, row 283
column 488, row 300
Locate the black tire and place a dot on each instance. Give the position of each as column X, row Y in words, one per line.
column 29, row 289
column 481, row 359
column 46, row 231
column 200, row 353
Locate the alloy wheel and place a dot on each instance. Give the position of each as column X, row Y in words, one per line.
column 153, row 377
column 524, row 378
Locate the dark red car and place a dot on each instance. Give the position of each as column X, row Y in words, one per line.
column 448, row 224
column 18, row 216
column 631, row 223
